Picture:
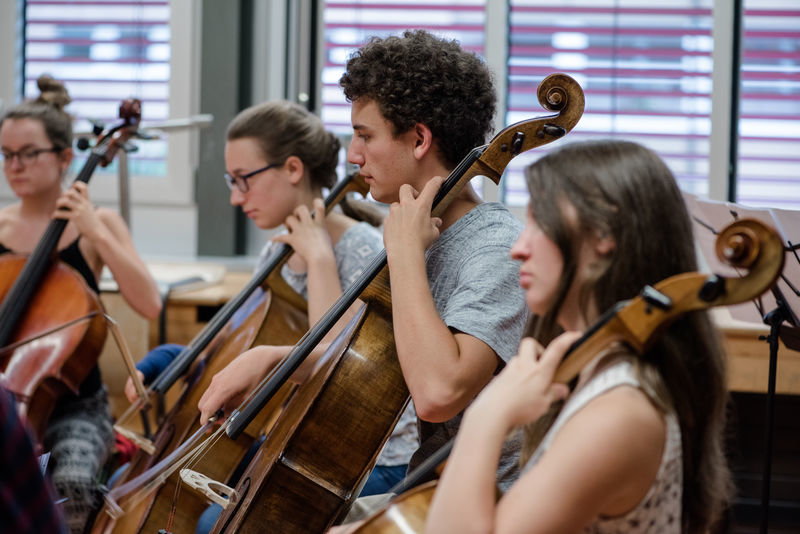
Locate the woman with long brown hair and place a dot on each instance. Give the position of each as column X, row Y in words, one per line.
column 637, row 447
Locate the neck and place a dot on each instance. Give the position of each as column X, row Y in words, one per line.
column 39, row 206
column 466, row 199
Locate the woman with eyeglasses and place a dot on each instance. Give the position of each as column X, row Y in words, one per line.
column 36, row 143
column 279, row 158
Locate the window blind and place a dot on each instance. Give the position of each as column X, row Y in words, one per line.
column 769, row 131
column 104, row 51
column 645, row 68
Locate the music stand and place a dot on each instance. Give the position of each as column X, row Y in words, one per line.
column 777, row 309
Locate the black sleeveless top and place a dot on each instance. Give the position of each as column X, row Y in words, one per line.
column 72, row 256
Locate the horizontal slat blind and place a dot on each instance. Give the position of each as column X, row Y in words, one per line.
column 769, row 126
column 348, row 25
column 645, row 68
column 104, row 51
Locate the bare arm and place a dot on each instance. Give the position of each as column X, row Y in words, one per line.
column 602, row 461
column 229, row 387
column 444, row 370
column 310, row 239
column 111, row 241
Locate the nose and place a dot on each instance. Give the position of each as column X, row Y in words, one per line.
column 520, row 249
column 237, row 197
column 354, row 154
column 14, row 162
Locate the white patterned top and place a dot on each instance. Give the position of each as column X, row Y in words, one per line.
column 660, row 510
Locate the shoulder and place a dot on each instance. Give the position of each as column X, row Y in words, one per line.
column 617, row 439
column 604, row 460
column 9, row 218
column 488, row 225
column 112, row 220
column 624, row 408
column 9, row 214
column 493, row 214
column 361, row 235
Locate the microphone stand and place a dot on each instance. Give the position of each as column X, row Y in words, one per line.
column 790, row 335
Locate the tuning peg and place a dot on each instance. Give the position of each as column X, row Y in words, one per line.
column 129, row 147
column 97, row 126
column 83, row 143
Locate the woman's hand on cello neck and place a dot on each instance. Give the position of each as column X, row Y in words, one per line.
column 313, row 238
column 110, row 243
column 524, row 390
column 308, row 235
column 75, row 206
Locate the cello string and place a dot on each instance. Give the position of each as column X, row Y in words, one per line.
column 17, row 344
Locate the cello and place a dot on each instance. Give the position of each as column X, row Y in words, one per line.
column 266, row 311
column 314, row 460
column 51, row 323
column 746, row 244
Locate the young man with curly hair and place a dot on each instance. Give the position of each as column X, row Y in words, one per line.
column 419, row 105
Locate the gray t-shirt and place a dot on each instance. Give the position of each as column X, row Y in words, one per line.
column 354, row 251
column 475, row 287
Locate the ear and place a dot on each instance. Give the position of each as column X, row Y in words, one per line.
column 605, row 244
column 423, row 140
column 295, row 169
column 65, row 158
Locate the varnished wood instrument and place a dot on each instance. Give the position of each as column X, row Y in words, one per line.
column 320, row 451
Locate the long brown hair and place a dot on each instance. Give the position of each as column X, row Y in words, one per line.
column 625, row 191
column 282, row 129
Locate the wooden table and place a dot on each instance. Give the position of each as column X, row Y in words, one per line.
column 748, row 356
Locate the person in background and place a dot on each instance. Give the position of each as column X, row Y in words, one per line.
column 36, row 143
column 279, row 159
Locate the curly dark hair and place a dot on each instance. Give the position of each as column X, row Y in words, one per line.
column 420, row 78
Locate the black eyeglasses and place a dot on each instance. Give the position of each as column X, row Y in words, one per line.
column 240, row 182
column 26, row 156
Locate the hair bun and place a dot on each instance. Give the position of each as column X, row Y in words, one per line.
column 52, row 92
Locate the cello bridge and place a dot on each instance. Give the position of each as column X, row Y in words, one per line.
column 211, row 489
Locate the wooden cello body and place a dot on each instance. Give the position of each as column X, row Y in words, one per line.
column 53, row 364
column 313, row 463
column 302, row 482
column 272, row 315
